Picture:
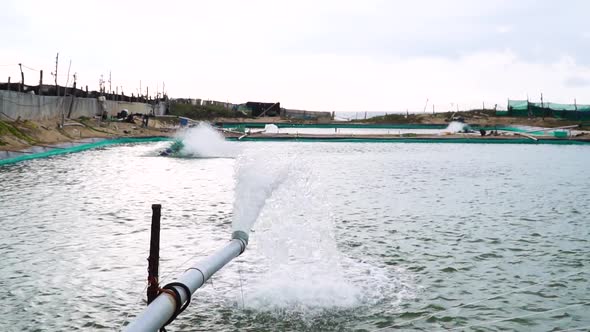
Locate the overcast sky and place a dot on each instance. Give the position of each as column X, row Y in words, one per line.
column 318, row 55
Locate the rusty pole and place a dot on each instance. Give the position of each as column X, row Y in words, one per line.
column 40, row 90
column 153, row 260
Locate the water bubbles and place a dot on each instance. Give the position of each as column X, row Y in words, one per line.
column 306, row 275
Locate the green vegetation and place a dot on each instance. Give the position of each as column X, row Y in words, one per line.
column 6, row 129
column 203, row 112
column 398, row 118
column 29, row 124
column 469, row 114
column 394, row 118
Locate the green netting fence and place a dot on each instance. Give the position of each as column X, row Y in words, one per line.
column 82, row 147
column 525, row 108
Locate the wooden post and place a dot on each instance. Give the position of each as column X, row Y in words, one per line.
column 21, row 87
column 154, row 259
column 40, row 90
column 575, row 105
column 8, row 83
column 55, row 74
column 67, row 79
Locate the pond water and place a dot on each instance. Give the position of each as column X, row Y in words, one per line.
column 353, row 236
column 356, row 131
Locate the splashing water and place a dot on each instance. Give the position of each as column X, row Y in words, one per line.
column 456, row 127
column 306, row 274
column 257, row 176
column 303, row 273
column 203, row 141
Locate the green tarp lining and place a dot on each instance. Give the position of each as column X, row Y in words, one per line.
column 415, row 140
column 242, row 125
column 82, row 147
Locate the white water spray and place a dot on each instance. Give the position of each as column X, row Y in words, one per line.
column 456, row 127
column 203, row 141
column 257, row 177
column 295, row 234
column 305, row 273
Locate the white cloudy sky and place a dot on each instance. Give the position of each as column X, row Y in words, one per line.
column 318, row 55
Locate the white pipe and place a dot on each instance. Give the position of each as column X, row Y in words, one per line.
column 550, row 128
column 163, row 307
column 527, row 136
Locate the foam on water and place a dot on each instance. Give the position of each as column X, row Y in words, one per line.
column 203, row 141
column 306, row 275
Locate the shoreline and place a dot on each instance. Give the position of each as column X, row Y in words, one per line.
column 394, row 138
column 25, row 137
column 12, row 158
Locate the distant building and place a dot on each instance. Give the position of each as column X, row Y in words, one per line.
column 267, row 109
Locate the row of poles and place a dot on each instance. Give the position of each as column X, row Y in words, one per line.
column 102, row 82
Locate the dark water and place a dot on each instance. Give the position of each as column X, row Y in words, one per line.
column 357, row 237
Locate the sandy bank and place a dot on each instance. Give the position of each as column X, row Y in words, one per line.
column 20, row 135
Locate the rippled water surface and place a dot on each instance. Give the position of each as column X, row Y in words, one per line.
column 356, row 237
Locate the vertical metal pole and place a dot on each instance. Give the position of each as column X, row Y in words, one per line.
column 21, row 87
column 56, row 63
column 153, row 260
column 40, row 90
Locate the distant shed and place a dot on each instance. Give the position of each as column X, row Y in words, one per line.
column 267, row 109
